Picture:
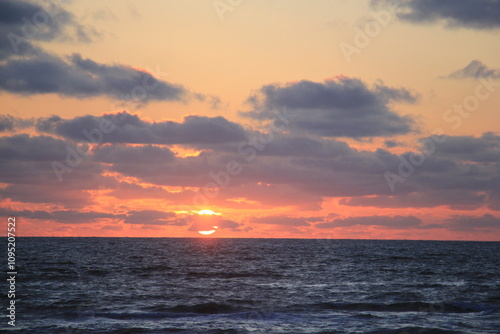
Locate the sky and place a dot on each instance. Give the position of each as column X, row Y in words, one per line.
column 373, row 119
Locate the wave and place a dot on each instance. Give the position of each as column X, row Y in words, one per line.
column 195, row 274
column 247, row 316
column 176, row 330
column 455, row 307
column 203, row 308
column 413, row 330
column 213, row 308
column 400, row 258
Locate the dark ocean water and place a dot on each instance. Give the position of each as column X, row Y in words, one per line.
column 140, row 285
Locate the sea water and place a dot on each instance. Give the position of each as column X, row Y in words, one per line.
column 210, row 285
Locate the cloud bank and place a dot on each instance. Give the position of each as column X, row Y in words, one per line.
column 344, row 107
column 475, row 14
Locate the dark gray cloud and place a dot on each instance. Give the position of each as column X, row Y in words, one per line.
column 392, row 143
column 281, row 220
column 230, row 224
column 6, row 123
column 154, row 217
column 344, row 172
column 291, row 171
column 494, row 200
column 28, row 69
column 142, row 217
column 61, row 216
column 484, row 149
column 23, row 23
column 475, row 69
column 455, row 200
column 473, row 223
column 188, row 172
column 70, row 198
column 397, row 222
column 345, row 107
column 125, row 190
column 27, row 148
column 83, row 78
column 290, row 145
column 127, row 128
column 211, row 222
column 10, row 123
column 122, row 154
column 476, row 14
column 26, row 165
column 276, row 144
column 255, row 195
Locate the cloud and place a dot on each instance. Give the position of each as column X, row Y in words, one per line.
column 211, row 222
column 126, row 191
column 11, row 123
column 23, row 23
column 392, row 143
column 455, row 200
column 28, row 69
column 84, row 78
column 475, row 14
column 6, row 123
column 122, row 154
column 397, row 222
column 255, row 195
column 473, row 223
column 230, row 224
column 126, row 128
column 281, row 220
column 293, row 172
column 104, row 14
column 142, row 217
column 343, row 172
column 476, row 69
column 291, row 145
column 28, row 175
column 61, row 216
column 494, row 200
column 154, row 217
column 344, row 107
column 112, row 228
column 484, row 149
column 41, row 194
column 36, row 148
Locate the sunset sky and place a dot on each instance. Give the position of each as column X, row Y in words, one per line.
column 281, row 119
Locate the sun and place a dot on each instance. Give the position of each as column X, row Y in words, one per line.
column 207, row 232
column 206, row 212
column 209, row 221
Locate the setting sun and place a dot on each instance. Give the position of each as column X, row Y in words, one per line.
column 208, row 232
column 206, row 221
column 206, row 212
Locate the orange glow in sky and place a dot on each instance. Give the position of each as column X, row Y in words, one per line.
column 170, row 121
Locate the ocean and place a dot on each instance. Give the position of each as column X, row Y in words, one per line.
column 210, row 285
